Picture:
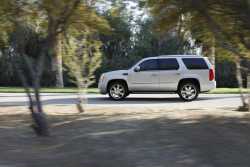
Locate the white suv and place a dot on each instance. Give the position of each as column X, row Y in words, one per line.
column 187, row 75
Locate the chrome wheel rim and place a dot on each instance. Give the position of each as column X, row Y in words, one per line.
column 117, row 91
column 188, row 92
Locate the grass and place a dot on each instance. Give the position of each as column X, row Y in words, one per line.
column 228, row 91
column 95, row 90
column 46, row 90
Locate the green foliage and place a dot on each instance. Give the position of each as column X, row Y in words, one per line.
column 46, row 90
column 226, row 21
column 150, row 43
column 119, row 37
column 117, row 45
column 72, row 14
column 128, row 42
column 48, row 20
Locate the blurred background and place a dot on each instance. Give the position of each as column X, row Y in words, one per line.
column 121, row 32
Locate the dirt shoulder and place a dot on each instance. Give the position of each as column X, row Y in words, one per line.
column 125, row 137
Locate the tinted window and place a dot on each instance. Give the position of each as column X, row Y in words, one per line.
column 149, row 65
column 195, row 63
column 168, row 64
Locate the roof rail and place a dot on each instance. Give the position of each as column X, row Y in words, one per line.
column 178, row 55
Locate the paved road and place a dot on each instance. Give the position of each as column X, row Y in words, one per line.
column 163, row 132
column 170, row 100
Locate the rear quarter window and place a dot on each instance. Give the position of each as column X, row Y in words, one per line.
column 195, row 63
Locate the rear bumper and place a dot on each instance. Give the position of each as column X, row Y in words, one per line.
column 208, row 86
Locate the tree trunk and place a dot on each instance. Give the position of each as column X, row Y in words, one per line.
column 40, row 125
column 249, row 101
column 248, row 86
column 55, row 51
column 240, row 81
column 82, row 99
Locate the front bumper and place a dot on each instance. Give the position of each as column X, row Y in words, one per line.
column 102, row 90
column 102, row 86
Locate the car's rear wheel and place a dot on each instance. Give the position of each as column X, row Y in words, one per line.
column 117, row 90
column 188, row 91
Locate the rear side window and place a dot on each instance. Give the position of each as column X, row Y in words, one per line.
column 195, row 63
column 168, row 64
column 149, row 65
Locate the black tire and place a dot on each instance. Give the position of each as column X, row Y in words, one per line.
column 127, row 94
column 188, row 91
column 116, row 94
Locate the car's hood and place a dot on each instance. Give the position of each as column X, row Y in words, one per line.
column 117, row 72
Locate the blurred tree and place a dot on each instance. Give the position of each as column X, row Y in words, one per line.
column 63, row 15
column 117, row 45
column 82, row 57
column 52, row 19
column 150, row 43
column 29, row 69
column 222, row 23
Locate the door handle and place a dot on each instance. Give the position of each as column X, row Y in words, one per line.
column 178, row 73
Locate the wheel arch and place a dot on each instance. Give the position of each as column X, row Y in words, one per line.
column 192, row 80
column 116, row 80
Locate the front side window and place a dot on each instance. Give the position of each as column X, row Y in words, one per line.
column 168, row 64
column 195, row 63
column 149, row 65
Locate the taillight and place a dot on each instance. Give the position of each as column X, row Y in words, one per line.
column 211, row 74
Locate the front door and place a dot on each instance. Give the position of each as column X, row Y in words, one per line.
column 146, row 78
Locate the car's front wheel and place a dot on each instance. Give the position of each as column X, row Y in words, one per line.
column 117, row 90
column 188, row 91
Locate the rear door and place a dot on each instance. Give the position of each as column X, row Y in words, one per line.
column 169, row 73
column 147, row 79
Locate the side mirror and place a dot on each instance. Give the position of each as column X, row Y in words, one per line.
column 137, row 69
